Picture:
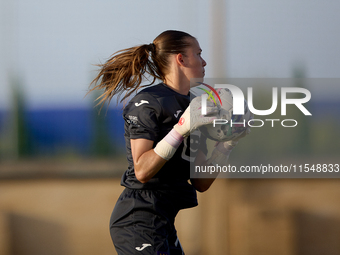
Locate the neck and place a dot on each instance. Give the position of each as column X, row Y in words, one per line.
column 178, row 84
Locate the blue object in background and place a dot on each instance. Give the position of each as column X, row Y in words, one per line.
column 82, row 131
column 62, row 131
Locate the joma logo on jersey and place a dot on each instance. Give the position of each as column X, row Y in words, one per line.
column 141, row 102
column 144, row 245
column 238, row 100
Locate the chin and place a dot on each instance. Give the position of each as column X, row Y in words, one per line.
column 194, row 82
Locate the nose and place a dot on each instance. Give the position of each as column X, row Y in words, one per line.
column 203, row 62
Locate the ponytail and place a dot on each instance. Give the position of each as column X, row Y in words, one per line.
column 124, row 72
column 126, row 69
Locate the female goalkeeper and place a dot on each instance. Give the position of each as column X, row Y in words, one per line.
column 159, row 150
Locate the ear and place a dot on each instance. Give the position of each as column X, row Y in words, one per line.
column 180, row 59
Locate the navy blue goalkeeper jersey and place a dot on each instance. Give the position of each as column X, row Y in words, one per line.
column 151, row 114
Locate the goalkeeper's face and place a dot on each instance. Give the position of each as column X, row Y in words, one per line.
column 193, row 61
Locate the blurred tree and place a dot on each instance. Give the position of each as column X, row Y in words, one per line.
column 21, row 134
column 303, row 139
column 101, row 144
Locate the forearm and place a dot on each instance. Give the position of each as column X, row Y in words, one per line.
column 219, row 156
column 202, row 184
column 147, row 165
column 148, row 161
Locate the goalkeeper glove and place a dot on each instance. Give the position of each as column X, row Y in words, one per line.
column 190, row 120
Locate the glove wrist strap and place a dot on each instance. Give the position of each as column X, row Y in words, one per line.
column 167, row 147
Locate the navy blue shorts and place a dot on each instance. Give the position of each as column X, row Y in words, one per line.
column 143, row 223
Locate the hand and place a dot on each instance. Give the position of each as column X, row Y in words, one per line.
column 235, row 141
column 220, row 154
column 192, row 118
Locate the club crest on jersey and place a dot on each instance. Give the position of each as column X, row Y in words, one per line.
column 141, row 102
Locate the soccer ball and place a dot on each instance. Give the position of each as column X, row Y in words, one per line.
column 225, row 129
